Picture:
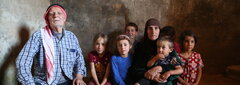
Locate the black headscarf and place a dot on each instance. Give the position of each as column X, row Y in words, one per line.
column 146, row 48
column 143, row 52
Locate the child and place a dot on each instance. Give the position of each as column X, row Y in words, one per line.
column 131, row 29
column 170, row 32
column 192, row 61
column 122, row 60
column 99, row 59
column 168, row 63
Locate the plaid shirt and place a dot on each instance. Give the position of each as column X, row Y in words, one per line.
column 68, row 59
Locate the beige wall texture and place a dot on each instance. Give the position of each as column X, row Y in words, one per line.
column 18, row 20
column 216, row 22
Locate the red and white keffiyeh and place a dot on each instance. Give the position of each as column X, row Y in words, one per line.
column 49, row 53
column 48, row 45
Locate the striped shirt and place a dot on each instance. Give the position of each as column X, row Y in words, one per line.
column 69, row 59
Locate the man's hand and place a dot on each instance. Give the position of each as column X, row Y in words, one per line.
column 78, row 80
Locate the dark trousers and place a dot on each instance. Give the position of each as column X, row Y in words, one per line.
column 149, row 82
column 69, row 82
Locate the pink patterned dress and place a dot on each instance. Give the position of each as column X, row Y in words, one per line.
column 190, row 66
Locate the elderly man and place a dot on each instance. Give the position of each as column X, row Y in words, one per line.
column 53, row 53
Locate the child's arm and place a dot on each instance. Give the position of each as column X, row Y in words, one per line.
column 178, row 70
column 199, row 75
column 154, row 59
column 93, row 72
column 151, row 62
column 106, row 75
column 183, row 81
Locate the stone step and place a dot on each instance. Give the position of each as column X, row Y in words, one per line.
column 233, row 72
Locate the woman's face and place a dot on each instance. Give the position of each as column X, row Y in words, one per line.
column 153, row 31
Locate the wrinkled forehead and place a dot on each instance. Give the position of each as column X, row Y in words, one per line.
column 56, row 8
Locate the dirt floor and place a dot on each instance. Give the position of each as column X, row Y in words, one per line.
column 218, row 79
column 213, row 79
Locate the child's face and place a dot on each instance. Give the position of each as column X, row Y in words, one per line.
column 163, row 48
column 153, row 32
column 99, row 45
column 123, row 47
column 131, row 32
column 188, row 43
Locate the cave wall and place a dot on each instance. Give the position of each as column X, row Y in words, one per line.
column 18, row 20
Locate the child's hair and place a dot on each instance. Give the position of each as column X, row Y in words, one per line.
column 100, row 35
column 166, row 38
column 131, row 24
column 168, row 31
column 184, row 34
column 122, row 37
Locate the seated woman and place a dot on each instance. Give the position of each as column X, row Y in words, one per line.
column 144, row 51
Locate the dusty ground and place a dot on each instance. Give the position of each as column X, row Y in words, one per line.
column 218, row 79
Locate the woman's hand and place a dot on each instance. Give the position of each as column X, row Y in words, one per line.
column 166, row 75
column 158, row 79
column 151, row 73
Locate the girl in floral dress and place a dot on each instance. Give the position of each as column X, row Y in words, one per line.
column 99, row 61
column 191, row 60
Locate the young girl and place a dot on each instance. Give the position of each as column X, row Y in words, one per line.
column 168, row 63
column 122, row 60
column 192, row 61
column 99, row 59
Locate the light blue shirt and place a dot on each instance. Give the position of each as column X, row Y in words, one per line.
column 69, row 59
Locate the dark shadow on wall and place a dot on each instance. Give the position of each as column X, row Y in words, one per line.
column 112, row 40
column 13, row 52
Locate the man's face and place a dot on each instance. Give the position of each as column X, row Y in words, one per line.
column 56, row 17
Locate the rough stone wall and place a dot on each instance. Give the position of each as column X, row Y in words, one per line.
column 18, row 20
column 89, row 17
column 214, row 21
